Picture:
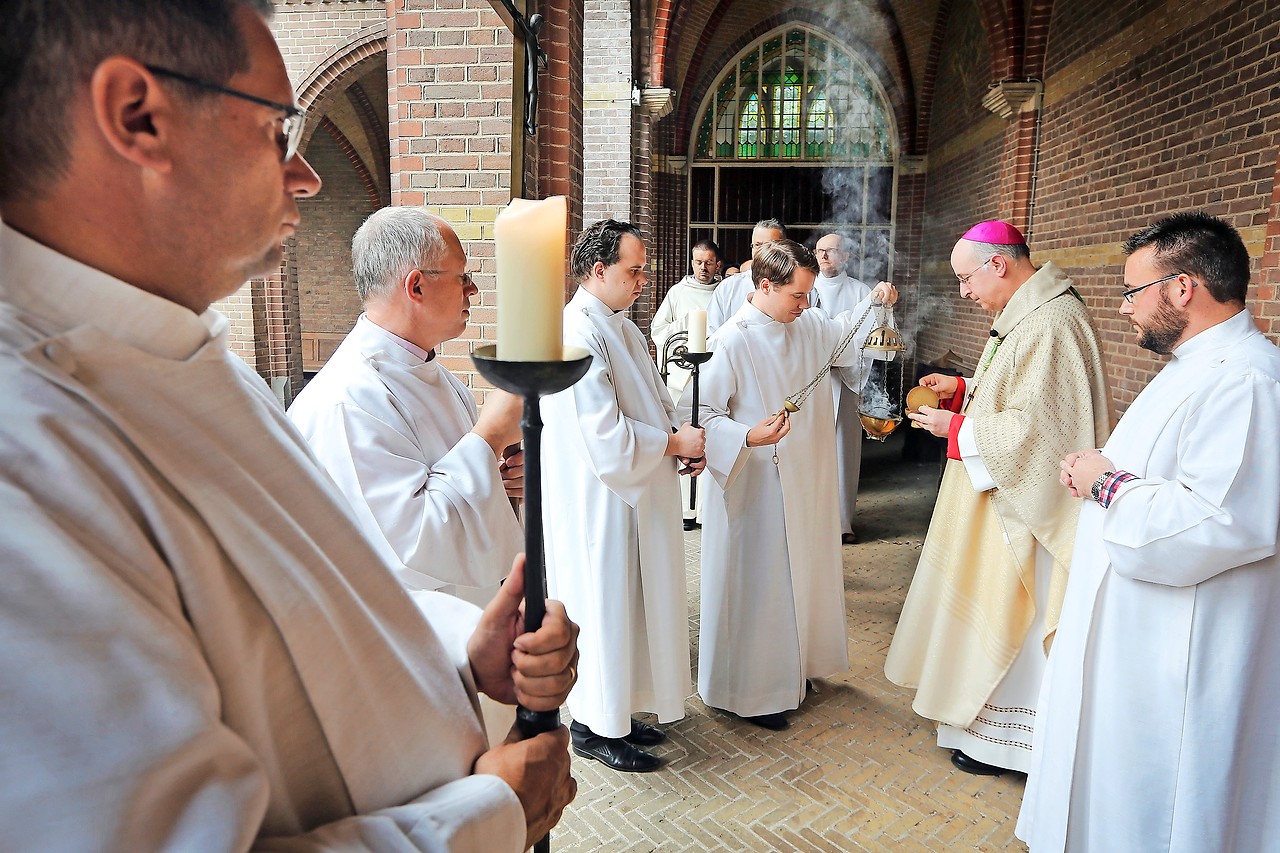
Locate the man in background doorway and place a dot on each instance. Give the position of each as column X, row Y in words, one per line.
column 693, row 292
column 837, row 291
column 732, row 293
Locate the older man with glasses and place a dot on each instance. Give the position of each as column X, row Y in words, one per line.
column 1156, row 728
column 984, row 602
column 202, row 650
column 429, row 476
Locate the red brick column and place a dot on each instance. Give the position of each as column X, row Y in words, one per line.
column 449, row 90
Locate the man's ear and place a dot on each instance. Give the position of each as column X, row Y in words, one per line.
column 412, row 285
column 999, row 264
column 1187, row 286
column 134, row 114
column 597, row 270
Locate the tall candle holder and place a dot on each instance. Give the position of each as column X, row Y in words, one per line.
column 681, row 356
column 532, row 380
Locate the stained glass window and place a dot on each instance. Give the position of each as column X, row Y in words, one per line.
column 795, row 96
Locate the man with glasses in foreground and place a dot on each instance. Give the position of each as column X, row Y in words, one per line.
column 399, row 433
column 201, row 649
column 1157, row 722
column 984, row 602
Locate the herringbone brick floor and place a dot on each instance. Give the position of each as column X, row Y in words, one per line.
column 857, row 770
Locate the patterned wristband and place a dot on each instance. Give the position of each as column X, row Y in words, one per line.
column 1111, row 485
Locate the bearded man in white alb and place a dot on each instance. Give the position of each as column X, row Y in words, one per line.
column 1157, row 723
column 838, row 292
column 691, row 293
column 773, row 610
column 612, row 447
column 399, row 433
column 985, row 598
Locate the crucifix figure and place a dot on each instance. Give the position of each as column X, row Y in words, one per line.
column 526, row 31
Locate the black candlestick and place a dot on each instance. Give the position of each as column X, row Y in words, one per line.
column 692, row 361
column 531, row 380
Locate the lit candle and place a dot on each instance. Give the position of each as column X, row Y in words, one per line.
column 697, row 330
column 530, row 238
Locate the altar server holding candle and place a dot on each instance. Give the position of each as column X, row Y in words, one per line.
column 684, row 308
column 772, row 580
column 615, row 555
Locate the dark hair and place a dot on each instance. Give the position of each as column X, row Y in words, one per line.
column 599, row 243
column 771, row 224
column 50, row 49
column 1202, row 246
column 707, row 245
column 779, row 260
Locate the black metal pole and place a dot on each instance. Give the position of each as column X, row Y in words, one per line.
column 533, row 723
column 693, row 421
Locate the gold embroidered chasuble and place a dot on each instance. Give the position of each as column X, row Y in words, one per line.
column 1039, row 394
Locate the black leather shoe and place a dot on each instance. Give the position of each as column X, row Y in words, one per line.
column 974, row 766
column 616, row 753
column 848, row 538
column 691, row 524
column 643, row 734
column 773, row 722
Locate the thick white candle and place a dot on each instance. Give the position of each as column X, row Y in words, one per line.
column 697, row 330
column 530, row 238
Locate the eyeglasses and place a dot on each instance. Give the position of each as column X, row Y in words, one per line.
column 1129, row 294
column 964, row 279
column 290, row 126
column 822, row 251
column 467, row 280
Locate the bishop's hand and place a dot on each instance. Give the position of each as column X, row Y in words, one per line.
column 941, row 384
column 885, row 293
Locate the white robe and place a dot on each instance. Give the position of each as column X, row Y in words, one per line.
column 731, row 294
column 673, row 316
column 838, row 294
column 1156, row 727
column 393, row 431
column 615, row 553
column 201, row 650
column 772, row 580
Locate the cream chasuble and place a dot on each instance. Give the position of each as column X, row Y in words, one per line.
column 202, row 651
column 772, row 581
column 1039, row 393
column 1157, row 720
column 615, row 552
column 393, row 431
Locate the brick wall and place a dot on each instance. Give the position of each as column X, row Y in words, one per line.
column 449, row 73
column 1149, row 109
column 328, row 303
column 606, row 83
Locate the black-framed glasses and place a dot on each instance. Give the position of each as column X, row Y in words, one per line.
column 467, row 280
column 964, row 279
column 1129, row 294
column 290, row 126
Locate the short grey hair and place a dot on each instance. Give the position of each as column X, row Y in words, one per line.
column 48, row 50
column 391, row 243
column 987, row 251
column 771, row 225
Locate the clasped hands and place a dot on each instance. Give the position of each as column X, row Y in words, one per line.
column 688, row 445
column 1081, row 469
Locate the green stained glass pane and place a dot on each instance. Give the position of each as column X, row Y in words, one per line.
column 703, row 146
column 772, row 49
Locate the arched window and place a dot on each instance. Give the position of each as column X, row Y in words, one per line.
column 796, row 127
column 795, row 96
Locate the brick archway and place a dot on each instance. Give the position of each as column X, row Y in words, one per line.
column 277, row 314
